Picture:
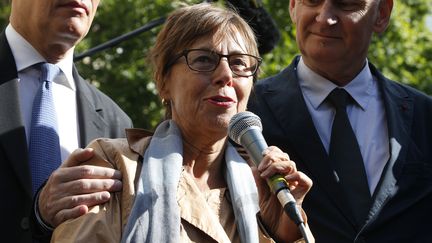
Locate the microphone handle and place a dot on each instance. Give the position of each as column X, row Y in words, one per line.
column 254, row 143
column 279, row 186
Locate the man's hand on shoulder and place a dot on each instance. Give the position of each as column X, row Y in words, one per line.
column 73, row 188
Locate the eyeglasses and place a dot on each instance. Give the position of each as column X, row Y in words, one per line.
column 201, row 60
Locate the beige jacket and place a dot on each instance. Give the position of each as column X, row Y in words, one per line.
column 105, row 223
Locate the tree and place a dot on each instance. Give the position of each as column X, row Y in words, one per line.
column 403, row 53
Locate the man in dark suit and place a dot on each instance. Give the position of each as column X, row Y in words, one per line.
column 391, row 123
column 47, row 31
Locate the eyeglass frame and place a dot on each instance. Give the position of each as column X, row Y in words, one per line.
column 185, row 53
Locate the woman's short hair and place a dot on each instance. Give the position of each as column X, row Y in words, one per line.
column 186, row 25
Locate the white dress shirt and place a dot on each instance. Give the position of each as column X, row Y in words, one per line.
column 64, row 90
column 367, row 116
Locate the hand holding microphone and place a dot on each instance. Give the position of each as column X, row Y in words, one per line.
column 245, row 129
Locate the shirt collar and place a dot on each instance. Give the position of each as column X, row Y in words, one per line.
column 316, row 88
column 26, row 55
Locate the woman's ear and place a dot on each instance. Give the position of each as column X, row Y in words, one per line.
column 382, row 20
column 164, row 91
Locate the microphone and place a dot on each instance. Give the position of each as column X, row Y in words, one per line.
column 245, row 129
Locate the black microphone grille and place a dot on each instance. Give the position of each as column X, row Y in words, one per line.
column 242, row 122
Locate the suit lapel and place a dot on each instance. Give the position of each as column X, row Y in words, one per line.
column 12, row 131
column 8, row 69
column 399, row 112
column 297, row 125
column 90, row 112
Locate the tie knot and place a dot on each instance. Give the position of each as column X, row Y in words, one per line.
column 339, row 98
column 49, row 71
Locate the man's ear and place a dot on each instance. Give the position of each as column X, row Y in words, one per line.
column 383, row 17
column 292, row 11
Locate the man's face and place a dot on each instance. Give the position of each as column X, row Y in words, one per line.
column 58, row 24
column 330, row 31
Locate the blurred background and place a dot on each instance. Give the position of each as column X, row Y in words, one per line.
column 403, row 53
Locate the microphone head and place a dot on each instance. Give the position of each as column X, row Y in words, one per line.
column 241, row 123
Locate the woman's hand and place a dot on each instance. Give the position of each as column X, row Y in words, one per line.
column 277, row 162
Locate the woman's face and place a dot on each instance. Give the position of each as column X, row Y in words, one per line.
column 206, row 101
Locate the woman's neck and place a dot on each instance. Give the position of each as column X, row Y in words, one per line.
column 205, row 164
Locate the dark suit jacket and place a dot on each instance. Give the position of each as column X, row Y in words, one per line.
column 402, row 207
column 98, row 116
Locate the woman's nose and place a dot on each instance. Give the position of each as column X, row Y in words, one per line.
column 223, row 75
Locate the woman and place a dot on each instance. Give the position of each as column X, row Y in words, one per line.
column 187, row 183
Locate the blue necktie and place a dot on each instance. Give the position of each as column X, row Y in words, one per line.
column 44, row 146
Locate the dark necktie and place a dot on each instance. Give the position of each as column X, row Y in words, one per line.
column 44, row 146
column 347, row 159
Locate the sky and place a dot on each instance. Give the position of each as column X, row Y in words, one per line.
column 429, row 22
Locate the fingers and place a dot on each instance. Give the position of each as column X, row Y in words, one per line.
column 66, row 214
column 74, row 201
column 78, row 156
column 65, row 204
column 78, row 180
column 77, row 205
column 73, row 187
column 299, row 183
column 66, row 174
column 83, row 186
column 262, row 186
column 275, row 162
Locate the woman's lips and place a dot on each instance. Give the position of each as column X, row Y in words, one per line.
column 221, row 100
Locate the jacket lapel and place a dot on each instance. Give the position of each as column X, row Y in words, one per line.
column 90, row 112
column 296, row 122
column 12, row 131
column 8, row 69
column 399, row 112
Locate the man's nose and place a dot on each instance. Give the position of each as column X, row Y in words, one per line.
column 326, row 13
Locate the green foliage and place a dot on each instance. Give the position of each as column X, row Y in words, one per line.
column 123, row 72
column 4, row 13
column 403, row 53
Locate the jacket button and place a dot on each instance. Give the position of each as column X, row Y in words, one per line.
column 25, row 224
